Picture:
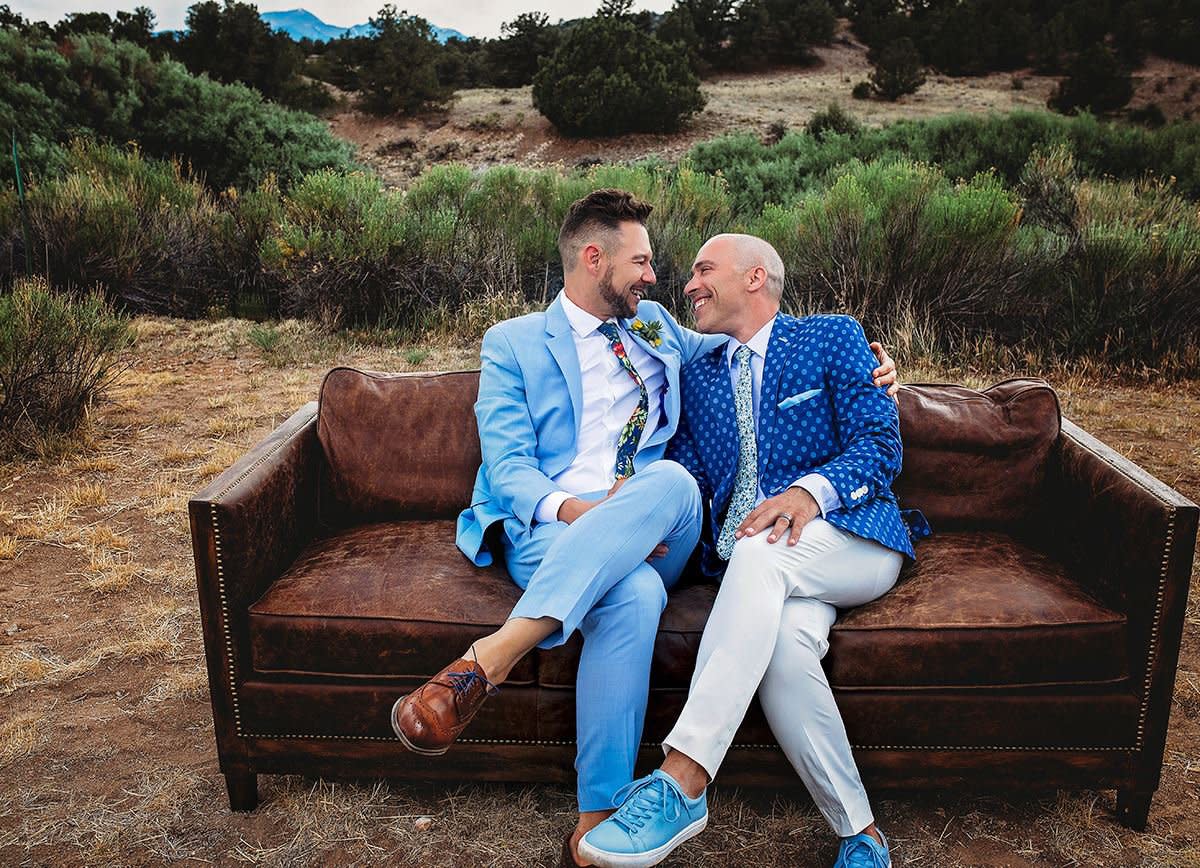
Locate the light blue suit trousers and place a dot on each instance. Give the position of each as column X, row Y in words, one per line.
column 592, row 575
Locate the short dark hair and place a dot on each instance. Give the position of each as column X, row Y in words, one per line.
column 603, row 212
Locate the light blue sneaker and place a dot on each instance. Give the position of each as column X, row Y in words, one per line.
column 653, row 819
column 863, row 851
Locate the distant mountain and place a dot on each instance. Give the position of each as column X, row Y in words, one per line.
column 301, row 24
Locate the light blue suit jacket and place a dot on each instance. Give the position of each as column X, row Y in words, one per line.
column 529, row 409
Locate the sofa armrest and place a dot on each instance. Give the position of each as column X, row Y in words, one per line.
column 247, row 526
column 1130, row 539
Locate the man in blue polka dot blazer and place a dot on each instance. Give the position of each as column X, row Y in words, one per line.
column 794, row 449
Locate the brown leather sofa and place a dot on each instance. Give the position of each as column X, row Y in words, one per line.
column 1033, row 644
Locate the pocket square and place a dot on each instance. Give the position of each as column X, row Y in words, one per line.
column 796, row 399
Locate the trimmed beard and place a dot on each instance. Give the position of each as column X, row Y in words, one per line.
column 619, row 305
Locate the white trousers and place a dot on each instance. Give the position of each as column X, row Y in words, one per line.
column 768, row 630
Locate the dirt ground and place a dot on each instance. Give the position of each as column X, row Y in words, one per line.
column 489, row 126
column 106, row 744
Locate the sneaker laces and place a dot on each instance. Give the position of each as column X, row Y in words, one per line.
column 642, row 800
column 860, row 854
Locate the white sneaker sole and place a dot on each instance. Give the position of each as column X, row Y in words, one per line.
column 640, row 860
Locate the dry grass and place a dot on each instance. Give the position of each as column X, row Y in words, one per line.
column 20, row 736
column 106, row 733
column 110, row 572
column 8, row 547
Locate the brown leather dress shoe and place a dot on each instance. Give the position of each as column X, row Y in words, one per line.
column 428, row 720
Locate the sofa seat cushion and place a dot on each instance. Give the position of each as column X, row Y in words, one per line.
column 392, row 599
column 979, row 609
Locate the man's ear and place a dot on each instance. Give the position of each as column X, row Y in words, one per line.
column 591, row 257
column 756, row 279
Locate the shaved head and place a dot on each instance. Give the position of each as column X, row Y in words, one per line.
column 750, row 252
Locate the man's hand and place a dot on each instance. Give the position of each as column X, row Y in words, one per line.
column 885, row 374
column 774, row 513
column 574, row 507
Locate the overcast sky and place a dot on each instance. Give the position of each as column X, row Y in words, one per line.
column 472, row 17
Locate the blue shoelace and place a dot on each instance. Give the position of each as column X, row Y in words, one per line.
column 463, row 681
column 860, row 853
column 642, row 800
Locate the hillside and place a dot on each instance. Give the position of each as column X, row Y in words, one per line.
column 487, row 126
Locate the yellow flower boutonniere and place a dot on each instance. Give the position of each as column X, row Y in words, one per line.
column 648, row 331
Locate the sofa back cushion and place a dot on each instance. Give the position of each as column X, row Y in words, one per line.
column 976, row 458
column 406, row 445
column 398, row 445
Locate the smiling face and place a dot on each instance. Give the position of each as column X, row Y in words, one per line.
column 729, row 289
column 717, row 289
column 628, row 274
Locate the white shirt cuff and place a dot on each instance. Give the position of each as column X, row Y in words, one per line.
column 547, row 509
column 822, row 492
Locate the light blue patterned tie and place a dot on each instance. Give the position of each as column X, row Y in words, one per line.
column 745, row 486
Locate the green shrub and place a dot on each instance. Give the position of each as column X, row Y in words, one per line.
column 116, row 92
column 57, row 355
column 765, row 32
column 898, row 71
column 336, row 248
column 608, row 77
column 1130, row 287
column 1150, row 115
column 962, row 145
column 399, row 74
column 1096, row 81
column 834, row 119
column 140, row 230
column 890, row 241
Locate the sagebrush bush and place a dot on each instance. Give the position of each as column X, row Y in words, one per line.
column 961, row 145
column 139, row 230
column 609, row 77
column 1130, row 288
column 1054, row 262
column 892, row 240
column 834, row 119
column 57, row 355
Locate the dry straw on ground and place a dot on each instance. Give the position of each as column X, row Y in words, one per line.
column 106, row 742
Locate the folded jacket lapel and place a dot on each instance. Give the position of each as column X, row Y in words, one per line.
column 561, row 344
column 783, row 344
column 716, row 394
column 670, row 396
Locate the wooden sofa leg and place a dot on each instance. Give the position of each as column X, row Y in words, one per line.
column 1133, row 808
column 243, row 790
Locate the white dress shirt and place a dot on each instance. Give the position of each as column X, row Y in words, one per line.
column 818, row 486
column 609, row 398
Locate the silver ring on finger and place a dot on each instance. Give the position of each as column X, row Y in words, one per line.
column 786, row 515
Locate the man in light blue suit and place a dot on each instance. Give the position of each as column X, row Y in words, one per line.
column 794, row 449
column 576, row 406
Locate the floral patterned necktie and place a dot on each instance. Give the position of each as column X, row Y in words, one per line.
column 745, row 485
column 631, row 434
